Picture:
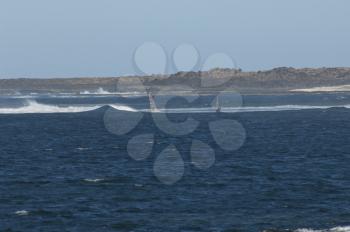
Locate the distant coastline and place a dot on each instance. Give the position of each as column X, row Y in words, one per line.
column 278, row 80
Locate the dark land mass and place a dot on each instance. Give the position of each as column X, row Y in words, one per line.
column 278, row 80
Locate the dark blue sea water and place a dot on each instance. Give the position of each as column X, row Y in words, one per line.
column 67, row 172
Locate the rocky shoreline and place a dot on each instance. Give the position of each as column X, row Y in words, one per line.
column 278, row 80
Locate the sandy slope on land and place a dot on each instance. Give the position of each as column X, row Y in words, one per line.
column 338, row 88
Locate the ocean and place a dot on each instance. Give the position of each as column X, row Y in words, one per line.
column 106, row 163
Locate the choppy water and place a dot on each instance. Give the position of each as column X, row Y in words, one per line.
column 63, row 171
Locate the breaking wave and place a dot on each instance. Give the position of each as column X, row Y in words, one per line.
column 335, row 229
column 102, row 92
column 35, row 107
column 278, row 108
column 124, row 108
column 97, row 92
column 32, row 106
column 242, row 109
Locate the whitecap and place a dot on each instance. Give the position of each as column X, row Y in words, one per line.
column 35, row 107
column 93, row 180
column 334, row 229
column 82, row 148
column 124, row 108
column 22, row 213
column 99, row 91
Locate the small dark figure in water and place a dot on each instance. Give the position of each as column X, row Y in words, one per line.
column 218, row 107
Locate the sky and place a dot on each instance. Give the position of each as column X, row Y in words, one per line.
column 79, row 38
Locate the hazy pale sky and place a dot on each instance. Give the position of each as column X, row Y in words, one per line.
column 71, row 38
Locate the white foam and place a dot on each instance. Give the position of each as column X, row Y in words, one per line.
column 235, row 109
column 279, row 108
column 93, row 180
column 34, row 107
column 124, row 108
column 82, row 148
column 22, row 213
column 21, row 96
column 99, row 91
column 335, row 229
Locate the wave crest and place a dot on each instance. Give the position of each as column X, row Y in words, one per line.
column 34, row 107
column 335, row 229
